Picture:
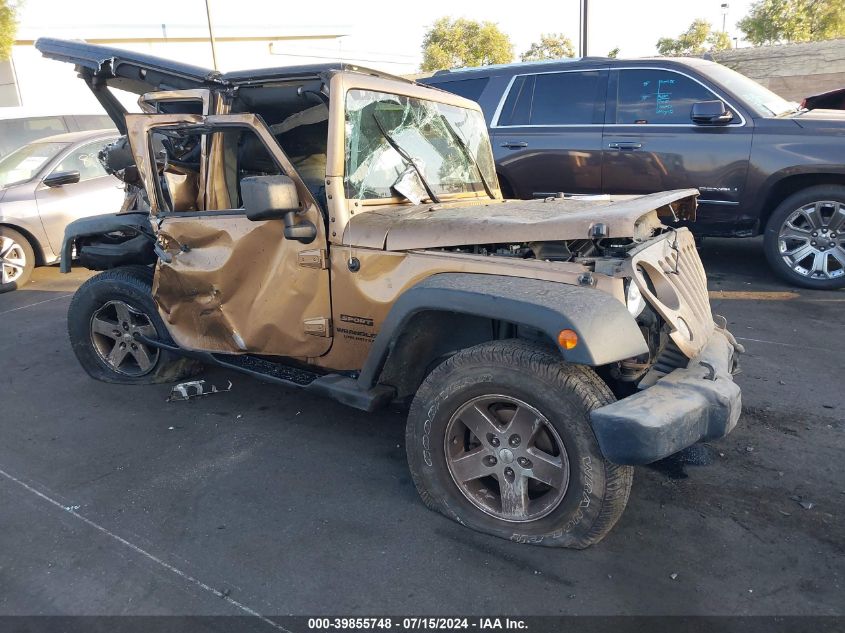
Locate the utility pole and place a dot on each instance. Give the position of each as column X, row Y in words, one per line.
column 211, row 35
column 725, row 7
column 583, row 43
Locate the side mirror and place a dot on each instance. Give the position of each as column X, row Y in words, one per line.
column 711, row 113
column 276, row 198
column 59, row 178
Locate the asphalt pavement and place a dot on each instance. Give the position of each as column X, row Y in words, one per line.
column 265, row 500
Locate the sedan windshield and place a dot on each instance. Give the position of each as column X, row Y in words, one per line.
column 25, row 163
column 766, row 102
column 413, row 148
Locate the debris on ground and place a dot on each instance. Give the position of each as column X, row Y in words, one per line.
column 673, row 576
column 804, row 503
column 194, row 389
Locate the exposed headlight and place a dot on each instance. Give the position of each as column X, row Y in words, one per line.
column 634, row 299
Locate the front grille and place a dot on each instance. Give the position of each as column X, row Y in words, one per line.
column 670, row 359
column 670, row 274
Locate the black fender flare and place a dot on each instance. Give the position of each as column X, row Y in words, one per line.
column 606, row 330
column 137, row 222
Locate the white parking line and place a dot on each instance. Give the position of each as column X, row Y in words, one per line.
column 38, row 303
column 757, row 340
column 72, row 511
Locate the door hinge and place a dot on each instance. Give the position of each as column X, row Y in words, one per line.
column 318, row 326
column 313, row 259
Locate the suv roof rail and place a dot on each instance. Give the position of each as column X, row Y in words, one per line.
column 543, row 62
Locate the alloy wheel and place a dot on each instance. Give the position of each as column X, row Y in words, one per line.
column 812, row 240
column 12, row 260
column 113, row 330
column 506, row 458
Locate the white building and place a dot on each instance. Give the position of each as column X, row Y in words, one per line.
column 40, row 84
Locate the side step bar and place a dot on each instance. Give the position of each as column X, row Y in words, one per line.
column 342, row 388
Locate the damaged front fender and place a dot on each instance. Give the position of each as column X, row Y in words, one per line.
column 107, row 241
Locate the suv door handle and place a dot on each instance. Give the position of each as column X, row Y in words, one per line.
column 514, row 144
column 625, row 146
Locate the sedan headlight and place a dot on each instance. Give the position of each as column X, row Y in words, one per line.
column 634, row 299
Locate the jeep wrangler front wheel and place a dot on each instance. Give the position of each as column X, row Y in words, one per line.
column 499, row 439
column 104, row 318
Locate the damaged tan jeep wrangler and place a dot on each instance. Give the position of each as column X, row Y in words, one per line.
column 342, row 231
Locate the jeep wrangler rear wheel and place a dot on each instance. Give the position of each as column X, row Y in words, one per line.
column 499, row 439
column 105, row 318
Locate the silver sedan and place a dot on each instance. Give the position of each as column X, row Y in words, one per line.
column 43, row 187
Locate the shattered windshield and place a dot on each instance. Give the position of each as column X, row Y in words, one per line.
column 448, row 145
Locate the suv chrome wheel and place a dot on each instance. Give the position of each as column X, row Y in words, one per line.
column 506, row 458
column 113, row 329
column 812, row 240
column 12, row 260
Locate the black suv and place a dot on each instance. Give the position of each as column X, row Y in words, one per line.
column 607, row 126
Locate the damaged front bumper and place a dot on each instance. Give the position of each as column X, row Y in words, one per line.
column 689, row 405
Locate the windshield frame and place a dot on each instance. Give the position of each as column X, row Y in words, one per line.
column 61, row 148
column 481, row 190
column 407, row 90
column 342, row 210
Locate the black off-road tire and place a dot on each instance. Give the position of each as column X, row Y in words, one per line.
column 29, row 257
column 131, row 285
column 833, row 193
column 565, row 394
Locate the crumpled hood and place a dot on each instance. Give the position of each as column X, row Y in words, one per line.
column 399, row 228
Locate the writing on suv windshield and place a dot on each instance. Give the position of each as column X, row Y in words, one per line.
column 391, row 136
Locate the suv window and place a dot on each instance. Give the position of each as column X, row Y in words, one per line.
column 517, row 108
column 86, row 160
column 466, row 88
column 568, row 98
column 657, row 96
column 565, row 98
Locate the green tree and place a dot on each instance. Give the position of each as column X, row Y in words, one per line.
column 699, row 38
column 453, row 43
column 614, row 53
column 718, row 41
column 775, row 21
column 550, row 46
column 8, row 26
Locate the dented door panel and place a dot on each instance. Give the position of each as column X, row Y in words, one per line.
column 240, row 288
column 233, row 285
